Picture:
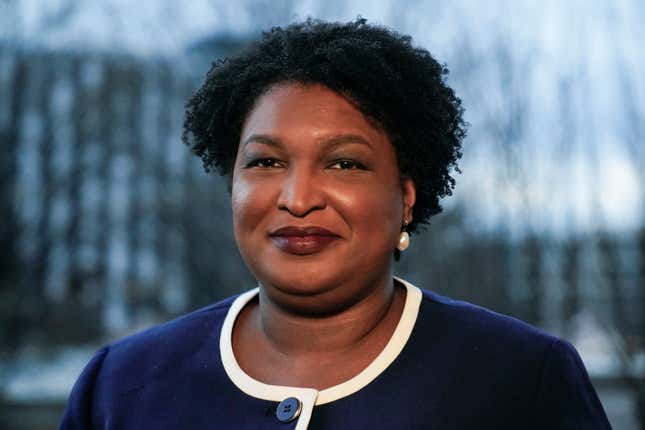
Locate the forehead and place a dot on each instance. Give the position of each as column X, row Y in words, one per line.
column 293, row 110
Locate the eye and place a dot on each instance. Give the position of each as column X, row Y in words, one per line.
column 347, row 165
column 264, row 163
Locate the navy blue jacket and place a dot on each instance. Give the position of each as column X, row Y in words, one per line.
column 462, row 367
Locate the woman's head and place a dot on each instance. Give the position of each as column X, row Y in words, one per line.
column 317, row 198
column 398, row 87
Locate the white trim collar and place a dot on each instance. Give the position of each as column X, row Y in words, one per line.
column 310, row 396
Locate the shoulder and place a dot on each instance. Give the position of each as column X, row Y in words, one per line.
column 487, row 347
column 483, row 326
column 134, row 360
column 177, row 332
column 541, row 374
column 156, row 358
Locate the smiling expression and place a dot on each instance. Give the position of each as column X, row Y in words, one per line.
column 317, row 197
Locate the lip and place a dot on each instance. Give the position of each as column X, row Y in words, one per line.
column 302, row 240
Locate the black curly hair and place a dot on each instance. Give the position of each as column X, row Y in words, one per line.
column 399, row 86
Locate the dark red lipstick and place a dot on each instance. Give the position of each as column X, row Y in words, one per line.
column 302, row 240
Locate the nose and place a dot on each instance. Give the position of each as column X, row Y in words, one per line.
column 301, row 193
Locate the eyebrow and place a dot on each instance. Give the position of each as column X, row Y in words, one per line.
column 328, row 142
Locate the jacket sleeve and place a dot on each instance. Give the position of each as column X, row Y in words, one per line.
column 565, row 398
column 80, row 406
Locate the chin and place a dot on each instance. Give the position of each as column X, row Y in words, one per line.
column 312, row 290
column 306, row 281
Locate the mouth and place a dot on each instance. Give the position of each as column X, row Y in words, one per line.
column 303, row 240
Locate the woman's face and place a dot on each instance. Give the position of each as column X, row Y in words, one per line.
column 317, row 198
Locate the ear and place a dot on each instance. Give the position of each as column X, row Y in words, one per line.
column 409, row 198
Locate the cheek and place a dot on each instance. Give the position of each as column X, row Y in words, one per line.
column 248, row 202
column 376, row 211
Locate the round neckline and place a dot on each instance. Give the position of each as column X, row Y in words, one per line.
column 261, row 390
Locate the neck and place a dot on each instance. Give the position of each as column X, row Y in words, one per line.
column 294, row 334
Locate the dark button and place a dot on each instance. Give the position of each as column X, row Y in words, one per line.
column 288, row 409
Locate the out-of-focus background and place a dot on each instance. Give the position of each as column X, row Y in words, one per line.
column 108, row 225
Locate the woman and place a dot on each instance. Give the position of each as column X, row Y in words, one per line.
column 338, row 140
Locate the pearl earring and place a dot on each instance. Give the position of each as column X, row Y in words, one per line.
column 404, row 238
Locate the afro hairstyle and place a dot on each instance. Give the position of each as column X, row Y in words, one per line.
column 398, row 86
